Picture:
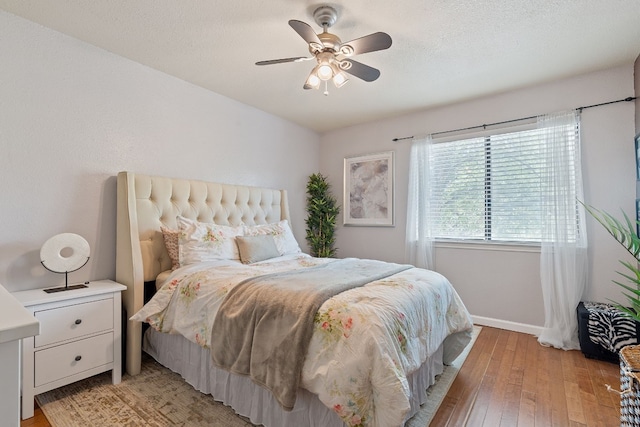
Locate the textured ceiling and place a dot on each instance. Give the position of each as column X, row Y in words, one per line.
column 443, row 50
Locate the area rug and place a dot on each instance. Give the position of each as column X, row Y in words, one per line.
column 158, row 397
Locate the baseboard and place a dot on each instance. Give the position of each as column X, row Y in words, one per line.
column 509, row 326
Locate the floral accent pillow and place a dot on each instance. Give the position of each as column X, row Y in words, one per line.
column 171, row 242
column 281, row 232
column 199, row 241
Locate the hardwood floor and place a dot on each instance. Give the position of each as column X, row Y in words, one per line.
column 38, row 419
column 510, row 380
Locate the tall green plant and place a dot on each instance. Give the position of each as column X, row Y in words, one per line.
column 322, row 211
column 625, row 233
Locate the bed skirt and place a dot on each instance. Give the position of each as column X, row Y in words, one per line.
column 193, row 363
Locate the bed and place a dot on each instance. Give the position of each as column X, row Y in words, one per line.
column 401, row 352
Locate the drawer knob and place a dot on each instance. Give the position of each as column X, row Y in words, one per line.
column 78, row 321
column 78, row 358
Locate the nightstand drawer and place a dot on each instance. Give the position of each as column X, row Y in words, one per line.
column 73, row 321
column 65, row 360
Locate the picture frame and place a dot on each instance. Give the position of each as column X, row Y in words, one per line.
column 637, row 217
column 637, row 146
column 369, row 190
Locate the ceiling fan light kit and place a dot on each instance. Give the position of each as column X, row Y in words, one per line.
column 332, row 56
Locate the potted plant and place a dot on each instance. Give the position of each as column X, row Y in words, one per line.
column 322, row 211
column 625, row 233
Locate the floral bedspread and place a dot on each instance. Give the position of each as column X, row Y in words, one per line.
column 366, row 340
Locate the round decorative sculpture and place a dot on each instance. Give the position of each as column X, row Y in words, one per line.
column 64, row 253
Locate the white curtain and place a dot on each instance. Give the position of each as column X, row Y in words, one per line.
column 419, row 240
column 563, row 258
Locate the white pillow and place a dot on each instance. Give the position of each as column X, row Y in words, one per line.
column 281, row 232
column 201, row 241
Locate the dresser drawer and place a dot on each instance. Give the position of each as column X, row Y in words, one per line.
column 73, row 321
column 59, row 362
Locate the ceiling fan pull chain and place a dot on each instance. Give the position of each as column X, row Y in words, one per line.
column 326, row 88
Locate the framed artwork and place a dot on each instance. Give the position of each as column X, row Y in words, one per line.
column 637, row 217
column 368, row 189
column 638, row 157
column 637, row 146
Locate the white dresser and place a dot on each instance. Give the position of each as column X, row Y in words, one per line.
column 80, row 336
column 16, row 323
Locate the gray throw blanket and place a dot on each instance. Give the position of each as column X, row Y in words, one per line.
column 264, row 326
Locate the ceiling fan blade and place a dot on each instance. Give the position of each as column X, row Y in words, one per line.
column 283, row 60
column 370, row 43
column 359, row 70
column 305, row 31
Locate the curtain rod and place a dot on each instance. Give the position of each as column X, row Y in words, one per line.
column 628, row 99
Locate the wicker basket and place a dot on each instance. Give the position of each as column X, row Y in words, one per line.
column 630, row 386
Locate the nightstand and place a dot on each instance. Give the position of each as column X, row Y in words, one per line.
column 80, row 336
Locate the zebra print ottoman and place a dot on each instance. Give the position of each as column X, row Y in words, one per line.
column 603, row 331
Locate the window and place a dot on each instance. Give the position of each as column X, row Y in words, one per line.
column 492, row 188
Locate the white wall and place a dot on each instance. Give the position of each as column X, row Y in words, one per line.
column 72, row 116
column 505, row 284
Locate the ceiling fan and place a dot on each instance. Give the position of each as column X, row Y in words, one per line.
column 332, row 55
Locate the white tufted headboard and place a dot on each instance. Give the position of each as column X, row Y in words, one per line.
column 147, row 202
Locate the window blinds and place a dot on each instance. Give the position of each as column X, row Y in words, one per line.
column 490, row 188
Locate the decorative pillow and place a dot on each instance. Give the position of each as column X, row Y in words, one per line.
column 282, row 234
column 256, row 248
column 171, row 242
column 201, row 241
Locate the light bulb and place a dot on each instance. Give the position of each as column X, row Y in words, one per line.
column 325, row 72
column 313, row 82
column 340, row 79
